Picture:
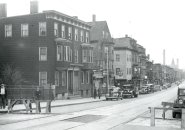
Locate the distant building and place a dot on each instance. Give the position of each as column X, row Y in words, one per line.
column 126, row 60
column 49, row 48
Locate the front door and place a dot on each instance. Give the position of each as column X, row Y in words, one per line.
column 76, row 83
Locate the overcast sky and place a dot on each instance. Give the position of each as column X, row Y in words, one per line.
column 155, row 24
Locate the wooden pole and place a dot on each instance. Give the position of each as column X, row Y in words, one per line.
column 152, row 120
column 183, row 119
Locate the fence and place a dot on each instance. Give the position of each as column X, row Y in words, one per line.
column 152, row 110
column 28, row 92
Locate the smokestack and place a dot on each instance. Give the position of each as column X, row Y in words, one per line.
column 94, row 18
column 177, row 63
column 164, row 57
column 3, row 10
column 33, row 7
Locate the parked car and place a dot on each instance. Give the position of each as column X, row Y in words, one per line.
column 157, row 88
column 114, row 93
column 179, row 102
column 165, row 86
column 129, row 90
column 144, row 90
column 150, row 88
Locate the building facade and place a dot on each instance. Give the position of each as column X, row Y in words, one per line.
column 102, row 43
column 49, row 48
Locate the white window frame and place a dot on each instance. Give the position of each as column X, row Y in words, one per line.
column 70, row 33
column 59, row 53
column 87, row 78
column 63, row 31
column 40, row 57
column 82, row 36
column 40, row 82
column 76, row 34
column 82, row 77
column 117, row 57
column 8, row 30
column 87, row 37
column 67, row 53
column 55, row 29
column 42, row 29
column 24, row 30
column 76, row 56
column 57, row 78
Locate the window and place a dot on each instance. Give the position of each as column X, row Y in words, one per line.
column 42, row 28
column 70, row 33
column 103, row 33
column 8, row 30
column 42, row 53
column 64, row 79
column 82, row 77
column 117, row 57
column 63, row 31
column 76, row 56
column 127, row 70
column 87, row 77
column 82, row 36
column 56, row 29
column 24, row 30
column 76, row 34
column 42, row 78
column 84, row 55
column 91, row 56
column 87, row 37
column 59, row 53
column 67, row 53
column 57, row 78
column 117, row 71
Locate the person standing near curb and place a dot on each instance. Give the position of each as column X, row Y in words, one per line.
column 3, row 95
column 99, row 92
column 38, row 97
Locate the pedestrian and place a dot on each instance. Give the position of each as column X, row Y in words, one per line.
column 95, row 93
column 38, row 98
column 99, row 93
column 3, row 96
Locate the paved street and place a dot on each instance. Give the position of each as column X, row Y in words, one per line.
column 95, row 115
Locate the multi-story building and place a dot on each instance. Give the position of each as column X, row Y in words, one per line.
column 126, row 60
column 49, row 48
column 103, row 44
column 157, row 73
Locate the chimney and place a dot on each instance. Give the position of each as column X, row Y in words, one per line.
column 148, row 56
column 33, row 7
column 94, row 18
column 3, row 10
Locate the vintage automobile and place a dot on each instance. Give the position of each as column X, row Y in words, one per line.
column 157, row 88
column 150, row 88
column 179, row 102
column 114, row 93
column 129, row 90
column 144, row 90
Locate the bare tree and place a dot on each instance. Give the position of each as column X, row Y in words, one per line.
column 10, row 75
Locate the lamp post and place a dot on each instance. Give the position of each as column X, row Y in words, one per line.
column 106, row 50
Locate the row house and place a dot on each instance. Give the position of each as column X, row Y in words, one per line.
column 126, row 63
column 103, row 46
column 49, row 48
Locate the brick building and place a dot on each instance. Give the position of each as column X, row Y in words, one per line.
column 49, row 48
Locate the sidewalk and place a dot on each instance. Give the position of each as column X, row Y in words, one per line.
column 56, row 103
column 136, row 127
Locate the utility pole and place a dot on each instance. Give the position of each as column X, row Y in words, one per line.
column 106, row 49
